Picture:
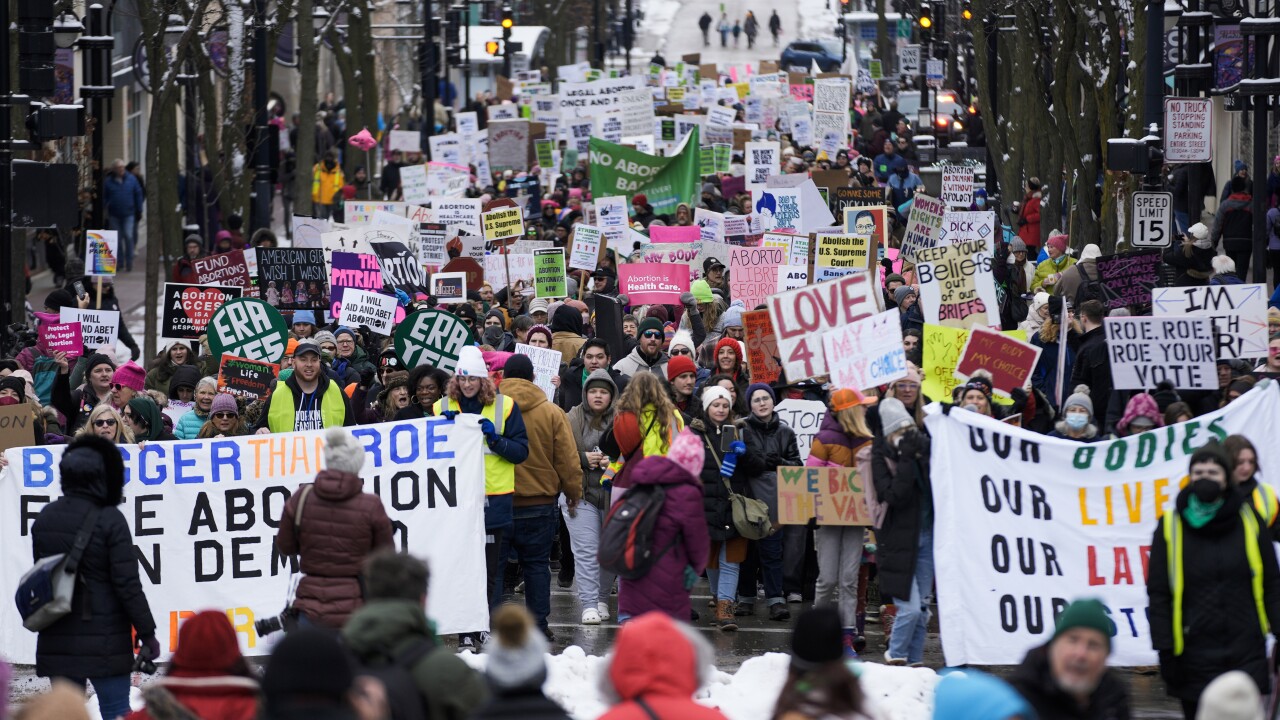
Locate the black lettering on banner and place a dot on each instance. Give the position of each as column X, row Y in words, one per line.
column 280, row 561
column 202, row 516
column 1029, row 450
column 140, row 514
column 399, row 528
column 240, row 557
column 202, row 574
column 1012, row 494
column 152, row 569
column 273, row 519
column 239, row 504
column 29, row 506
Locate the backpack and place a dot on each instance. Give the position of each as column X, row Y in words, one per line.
column 1090, row 288
column 403, row 697
column 45, row 591
column 626, row 540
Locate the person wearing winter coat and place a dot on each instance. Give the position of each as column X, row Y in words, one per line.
column 516, row 670
column 350, row 356
column 589, row 421
column 1234, row 225
column 1214, row 584
column 184, row 268
column 306, row 400
column 819, row 684
column 1244, row 475
column 326, row 183
column 76, row 405
column 1045, row 376
column 647, row 354
column 645, row 424
column 911, row 316
column 189, row 425
column 207, row 677
column 975, row 695
column 225, row 419
column 1085, row 270
column 393, row 623
column 145, row 418
column 774, row 442
column 1077, row 421
column 310, row 676
column 681, row 525
column 904, row 542
column 567, row 334
column 166, row 363
column 338, row 526
column 1194, row 258
column 656, row 666
column 552, row 468
column 109, row 609
column 842, row 432
column 1093, row 365
column 1067, row 678
column 1050, row 270
column 1224, row 271
column 594, row 355
column 1029, row 217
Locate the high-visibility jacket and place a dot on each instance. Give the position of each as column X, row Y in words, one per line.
column 499, row 473
column 1266, row 502
column 283, row 409
column 325, row 183
column 1173, row 538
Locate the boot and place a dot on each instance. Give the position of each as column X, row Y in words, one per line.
column 887, row 615
column 724, row 616
column 848, row 639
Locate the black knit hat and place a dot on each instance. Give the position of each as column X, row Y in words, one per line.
column 16, row 384
column 1211, row 452
column 518, row 366
column 97, row 359
column 59, row 299
column 307, row 664
column 817, row 639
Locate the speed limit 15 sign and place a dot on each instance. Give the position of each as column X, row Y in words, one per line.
column 1152, row 219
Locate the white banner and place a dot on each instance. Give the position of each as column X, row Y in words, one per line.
column 204, row 513
column 1238, row 312
column 1147, row 350
column 1025, row 524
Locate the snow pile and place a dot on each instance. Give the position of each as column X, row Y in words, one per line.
column 818, row 19
column 658, row 17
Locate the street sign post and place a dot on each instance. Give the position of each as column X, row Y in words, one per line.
column 1152, row 219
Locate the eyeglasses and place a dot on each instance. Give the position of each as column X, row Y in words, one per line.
column 652, row 334
column 224, row 416
column 908, row 386
column 346, row 341
column 681, row 351
column 104, row 422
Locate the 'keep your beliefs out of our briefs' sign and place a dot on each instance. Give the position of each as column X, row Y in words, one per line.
column 1026, row 524
column 204, row 516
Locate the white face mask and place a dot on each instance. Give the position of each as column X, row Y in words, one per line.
column 1077, row 420
column 895, row 441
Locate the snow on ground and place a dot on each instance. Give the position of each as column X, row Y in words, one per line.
column 658, row 17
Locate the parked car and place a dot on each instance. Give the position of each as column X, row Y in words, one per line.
column 946, row 122
column 825, row 53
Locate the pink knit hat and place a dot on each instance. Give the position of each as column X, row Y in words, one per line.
column 686, row 451
column 130, row 375
column 1058, row 241
column 1140, row 405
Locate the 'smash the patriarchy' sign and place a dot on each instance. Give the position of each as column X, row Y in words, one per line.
column 204, row 516
column 1025, row 524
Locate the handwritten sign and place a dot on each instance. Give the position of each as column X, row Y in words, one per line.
column 957, row 287
column 924, row 225
column 827, row 495
column 753, row 273
column 867, row 353
column 800, row 315
column 1145, row 351
column 546, row 365
column 762, row 347
column 361, row 307
column 1127, row 278
column 99, row 328
column 1009, row 360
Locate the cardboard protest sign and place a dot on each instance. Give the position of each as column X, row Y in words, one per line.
column 924, row 225
column 546, row 365
column 1128, row 278
column 187, row 308
column 753, row 273
column 431, row 337
column 360, row 212
column 942, row 347
column 503, row 224
column 425, row 469
column 957, row 186
column 867, row 353
column 843, row 198
column 1145, row 351
column 98, row 328
column 763, row 159
column 248, row 328
column 62, row 337
column 1010, row 361
column 1092, row 510
column 413, row 183
column 799, row 316
column 245, row 378
column 762, row 346
column 227, row 269
column 549, row 274
column 17, row 425
column 400, row 267
column 957, row 288
column 585, row 253
column 1238, row 312
column 307, row 231
column 804, row 417
column 509, row 145
column 838, row 255
column 959, row 226
column 653, row 282
column 520, row 265
column 101, row 252
column 361, row 307
column 293, row 278
column 828, row 495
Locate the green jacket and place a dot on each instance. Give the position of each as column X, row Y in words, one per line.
column 383, row 628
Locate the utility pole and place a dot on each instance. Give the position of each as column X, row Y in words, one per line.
column 261, row 215
column 12, row 299
column 1261, row 90
column 991, row 33
column 427, row 58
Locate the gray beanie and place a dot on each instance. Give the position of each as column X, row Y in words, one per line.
column 1079, row 397
column 1016, row 245
column 901, row 294
column 324, row 336
column 516, row 650
column 342, row 452
column 894, row 416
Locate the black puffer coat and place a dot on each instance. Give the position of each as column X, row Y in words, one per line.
column 94, row 639
column 774, row 443
column 1034, row 681
column 1222, row 631
column 715, row 496
column 901, row 477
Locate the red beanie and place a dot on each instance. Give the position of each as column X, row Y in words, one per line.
column 679, row 365
column 730, row 343
column 206, row 644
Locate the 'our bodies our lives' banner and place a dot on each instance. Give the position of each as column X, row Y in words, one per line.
column 204, row 516
column 1025, row 524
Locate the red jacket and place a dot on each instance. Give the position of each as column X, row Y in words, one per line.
column 653, row 658
column 212, row 697
column 1030, row 212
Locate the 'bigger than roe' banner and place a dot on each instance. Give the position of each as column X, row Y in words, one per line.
column 204, row 516
column 1025, row 524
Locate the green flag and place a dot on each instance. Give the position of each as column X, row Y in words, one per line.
column 666, row 181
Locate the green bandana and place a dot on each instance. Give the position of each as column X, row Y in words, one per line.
column 1198, row 514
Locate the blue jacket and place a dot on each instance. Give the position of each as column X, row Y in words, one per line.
column 123, row 195
column 189, row 425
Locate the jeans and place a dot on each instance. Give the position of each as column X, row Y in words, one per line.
column 724, row 579
column 839, row 561
column 592, row 582
column 764, row 555
column 323, row 212
column 492, row 554
column 1241, row 251
column 127, row 227
column 912, row 622
column 112, row 692
column 535, row 529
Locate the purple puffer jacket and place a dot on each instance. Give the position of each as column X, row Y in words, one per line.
column 680, row 525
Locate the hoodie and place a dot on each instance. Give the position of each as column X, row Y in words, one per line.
column 661, row 661
column 588, row 432
column 1234, row 220
column 566, row 332
column 553, row 465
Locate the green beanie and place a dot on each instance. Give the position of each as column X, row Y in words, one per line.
column 701, row 291
column 1086, row 614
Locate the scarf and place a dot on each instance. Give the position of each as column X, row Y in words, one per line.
column 1198, row 513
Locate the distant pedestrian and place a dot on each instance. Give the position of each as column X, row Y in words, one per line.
column 124, row 199
column 737, row 32
column 724, row 27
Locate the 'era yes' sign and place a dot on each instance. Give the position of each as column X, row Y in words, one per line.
column 248, row 328
column 800, row 317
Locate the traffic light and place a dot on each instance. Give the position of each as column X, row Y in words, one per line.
column 966, row 10
column 493, row 47
column 844, row 6
column 35, row 48
column 925, row 21
column 508, row 21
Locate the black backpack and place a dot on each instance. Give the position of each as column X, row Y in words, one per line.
column 1090, row 288
column 403, row 697
column 626, row 540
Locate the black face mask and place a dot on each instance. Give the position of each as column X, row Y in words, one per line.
column 1206, row 490
column 329, row 164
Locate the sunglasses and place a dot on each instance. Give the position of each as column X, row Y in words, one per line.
column 224, row 416
column 117, row 387
column 104, row 422
column 651, row 334
column 681, row 351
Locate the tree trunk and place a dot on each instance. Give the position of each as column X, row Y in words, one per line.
column 308, row 100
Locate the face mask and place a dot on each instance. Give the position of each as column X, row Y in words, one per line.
column 895, row 442
column 972, row 408
column 1077, row 421
column 1206, row 490
column 980, row 202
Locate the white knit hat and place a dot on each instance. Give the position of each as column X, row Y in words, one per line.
column 711, row 393
column 471, row 363
column 1231, row 696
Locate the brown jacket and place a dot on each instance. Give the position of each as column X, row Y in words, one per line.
column 553, row 465
column 341, row 525
column 569, row 344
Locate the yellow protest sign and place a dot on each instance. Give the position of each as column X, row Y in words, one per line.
column 942, row 348
column 743, row 89
column 838, row 255
column 829, row 495
column 675, row 94
column 503, row 223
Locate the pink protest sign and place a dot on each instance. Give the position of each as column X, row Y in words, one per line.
column 892, row 254
column 63, row 337
column 674, row 233
column 653, row 282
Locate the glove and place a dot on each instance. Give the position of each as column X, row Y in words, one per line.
column 486, row 427
column 134, row 352
column 402, row 297
column 737, row 447
column 1168, row 672
column 449, row 415
column 688, row 300
column 149, row 647
column 772, row 460
column 366, row 377
column 729, row 464
column 690, row 577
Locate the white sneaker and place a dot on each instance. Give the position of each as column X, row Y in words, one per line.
column 896, row 662
column 603, row 610
column 590, row 617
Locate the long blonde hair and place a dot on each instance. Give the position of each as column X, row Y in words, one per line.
column 124, row 434
column 644, row 389
column 853, row 421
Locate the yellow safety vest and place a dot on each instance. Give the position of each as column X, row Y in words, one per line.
column 499, row 473
column 282, row 414
column 1266, row 502
column 1173, row 536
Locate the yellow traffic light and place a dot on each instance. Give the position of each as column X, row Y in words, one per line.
column 967, row 14
column 493, row 47
column 507, row 22
column 926, row 22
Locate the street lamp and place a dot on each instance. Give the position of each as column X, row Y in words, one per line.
column 319, row 17
column 172, row 34
column 67, row 28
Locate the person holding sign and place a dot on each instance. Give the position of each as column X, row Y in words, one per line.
column 307, row 399
column 1050, row 270
column 76, row 405
column 1214, row 584
column 775, row 442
